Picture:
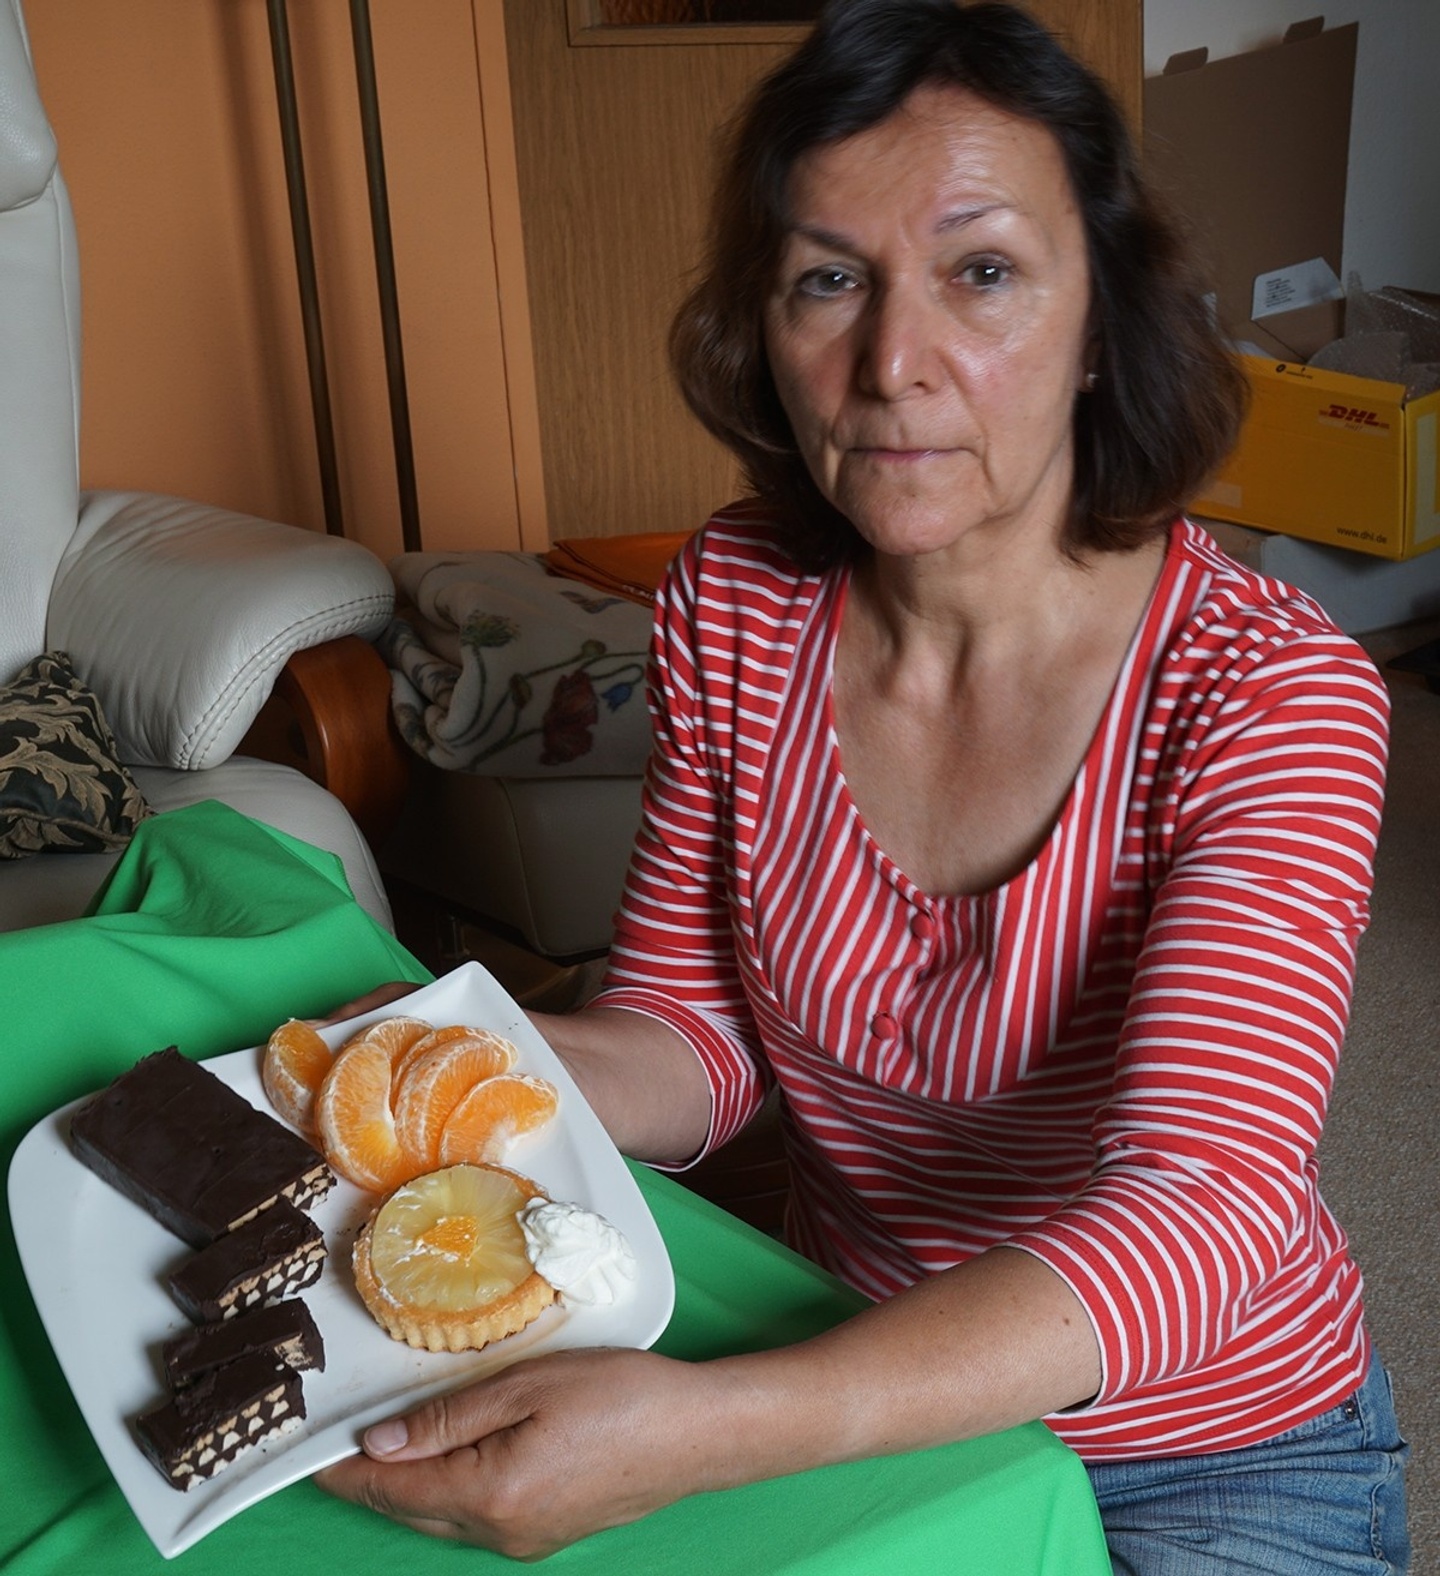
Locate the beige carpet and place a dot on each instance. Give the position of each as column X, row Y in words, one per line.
column 1380, row 1156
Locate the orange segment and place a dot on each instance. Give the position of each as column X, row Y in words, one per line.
column 352, row 1116
column 493, row 1114
column 296, row 1060
column 432, row 1084
column 444, row 1035
column 396, row 1035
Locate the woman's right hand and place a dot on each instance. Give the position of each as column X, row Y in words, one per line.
column 644, row 1082
column 381, row 996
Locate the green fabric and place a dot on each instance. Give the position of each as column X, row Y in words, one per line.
column 211, row 930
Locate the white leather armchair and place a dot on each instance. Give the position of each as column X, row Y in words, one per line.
column 193, row 625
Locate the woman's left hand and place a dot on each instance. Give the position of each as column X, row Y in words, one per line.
column 543, row 1453
column 552, row 1449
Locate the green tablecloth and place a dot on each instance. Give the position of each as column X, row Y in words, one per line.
column 212, row 930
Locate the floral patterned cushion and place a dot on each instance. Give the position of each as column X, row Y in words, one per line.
column 500, row 668
column 62, row 790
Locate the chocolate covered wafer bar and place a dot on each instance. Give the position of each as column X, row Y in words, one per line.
column 284, row 1331
column 201, row 1429
column 199, row 1157
column 269, row 1257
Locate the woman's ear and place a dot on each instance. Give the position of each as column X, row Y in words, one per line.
column 1090, row 362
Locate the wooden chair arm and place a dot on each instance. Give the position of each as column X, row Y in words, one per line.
column 329, row 716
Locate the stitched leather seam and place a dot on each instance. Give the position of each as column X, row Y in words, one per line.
column 334, row 622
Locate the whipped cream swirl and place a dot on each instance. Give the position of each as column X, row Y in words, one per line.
column 585, row 1258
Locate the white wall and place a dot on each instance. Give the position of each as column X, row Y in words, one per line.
column 1392, row 206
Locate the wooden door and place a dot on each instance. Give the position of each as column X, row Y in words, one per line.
column 194, row 361
column 615, row 144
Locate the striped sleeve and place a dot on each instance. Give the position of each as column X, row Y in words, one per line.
column 1268, row 803
column 673, row 956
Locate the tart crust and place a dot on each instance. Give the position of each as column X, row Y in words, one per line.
column 451, row 1330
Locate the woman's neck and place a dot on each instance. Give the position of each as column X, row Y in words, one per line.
column 966, row 612
column 965, row 705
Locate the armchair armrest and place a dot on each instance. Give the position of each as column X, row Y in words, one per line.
column 329, row 716
column 181, row 616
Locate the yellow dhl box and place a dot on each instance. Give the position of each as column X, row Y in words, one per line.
column 1333, row 458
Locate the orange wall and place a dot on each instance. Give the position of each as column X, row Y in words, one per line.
column 194, row 369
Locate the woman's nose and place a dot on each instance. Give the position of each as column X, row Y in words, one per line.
column 901, row 350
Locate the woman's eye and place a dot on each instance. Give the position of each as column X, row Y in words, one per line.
column 824, row 282
column 985, row 273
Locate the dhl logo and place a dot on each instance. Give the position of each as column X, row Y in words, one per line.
column 1354, row 417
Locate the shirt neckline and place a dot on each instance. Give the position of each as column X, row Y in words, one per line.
column 1140, row 650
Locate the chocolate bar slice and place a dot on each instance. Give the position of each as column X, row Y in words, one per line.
column 201, row 1429
column 199, row 1157
column 284, row 1331
column 269, row 1257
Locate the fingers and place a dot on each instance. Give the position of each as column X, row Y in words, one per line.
column 420, row 1468
column 399, row 1496
column 381, row 996
column 462, row 1497
column 463, row 1417
column 536, row 1456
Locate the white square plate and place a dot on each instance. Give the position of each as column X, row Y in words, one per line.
column 96, row 1265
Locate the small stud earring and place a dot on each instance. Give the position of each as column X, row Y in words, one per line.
column 1091, row 379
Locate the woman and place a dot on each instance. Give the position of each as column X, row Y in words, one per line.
column 1023, row 839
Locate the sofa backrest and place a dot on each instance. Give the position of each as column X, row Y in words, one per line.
column 39, row 354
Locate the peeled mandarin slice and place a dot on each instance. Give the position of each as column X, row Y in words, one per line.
column 396, row 1035
column 433, row 1083
column 442, row 1262
column 354, row 1122
column 487, row 1120
column 444, row 1035
column 296, row 1060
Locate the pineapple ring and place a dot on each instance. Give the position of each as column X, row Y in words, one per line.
column 442, row 1263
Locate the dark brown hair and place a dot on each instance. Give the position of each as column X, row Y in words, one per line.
column 1168, row 397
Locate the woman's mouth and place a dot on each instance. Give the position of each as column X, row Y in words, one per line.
column 897, row 456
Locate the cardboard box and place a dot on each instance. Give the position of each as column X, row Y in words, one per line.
column 1362, row 594
column 1333, row 458
column 1253, row 152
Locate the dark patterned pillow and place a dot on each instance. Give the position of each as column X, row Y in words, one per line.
column 61, row 788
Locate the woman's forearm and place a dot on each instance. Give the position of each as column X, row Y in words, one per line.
column 990, row 1344
column 642, row 1078
column 549, row 1450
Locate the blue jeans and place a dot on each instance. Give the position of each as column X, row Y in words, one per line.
column 1328, row 1496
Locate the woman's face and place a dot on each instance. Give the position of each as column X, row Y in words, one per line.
column 927, row 328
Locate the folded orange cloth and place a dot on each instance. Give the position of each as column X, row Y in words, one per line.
column 628, row 566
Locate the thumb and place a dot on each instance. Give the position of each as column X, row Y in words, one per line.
column 383, row 1441
column 463, row 1417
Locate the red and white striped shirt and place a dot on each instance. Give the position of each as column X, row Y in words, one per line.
column 1118, row 1061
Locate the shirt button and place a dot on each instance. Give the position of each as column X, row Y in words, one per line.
column 922, row 927
column 884, row 1026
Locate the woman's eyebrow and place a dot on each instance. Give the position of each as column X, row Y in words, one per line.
column 960, row 217
column 957, row 219
column 830, row 240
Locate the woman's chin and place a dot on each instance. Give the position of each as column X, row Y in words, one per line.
column 907, row 532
